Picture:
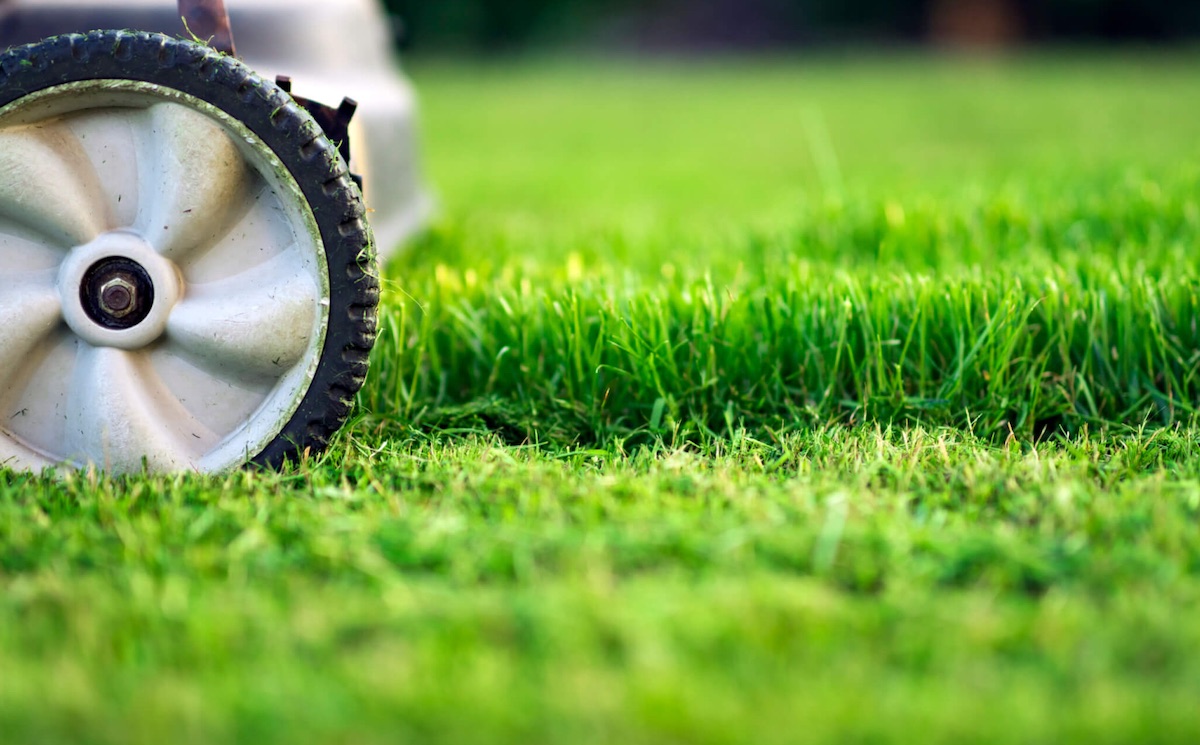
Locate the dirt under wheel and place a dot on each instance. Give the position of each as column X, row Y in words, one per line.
column 186, row 274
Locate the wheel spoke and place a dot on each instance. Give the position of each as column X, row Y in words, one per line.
column 30, row 311
column 221, row 405
column 35, row 396
column 109, row 138
column 120, row 415
column 47, row 184
column 23, row 251
column 260, row 235
column 253, row 326
column 194, row 181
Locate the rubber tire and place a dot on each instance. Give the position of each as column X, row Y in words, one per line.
column 298, row 141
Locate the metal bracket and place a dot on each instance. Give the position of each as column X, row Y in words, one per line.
column 208, row 20
column 335, row 122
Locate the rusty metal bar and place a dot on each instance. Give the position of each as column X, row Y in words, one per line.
column 208, row 20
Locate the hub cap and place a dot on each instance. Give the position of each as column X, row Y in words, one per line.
column 117, row 291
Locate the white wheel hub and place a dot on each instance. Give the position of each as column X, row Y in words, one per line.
column 163, row 287
column 107, row 302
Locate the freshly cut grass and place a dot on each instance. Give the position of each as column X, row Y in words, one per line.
column 754, row 401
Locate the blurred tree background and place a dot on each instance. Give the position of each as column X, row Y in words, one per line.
column 495, row 25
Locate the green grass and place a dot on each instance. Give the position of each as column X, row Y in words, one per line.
column 758, row 401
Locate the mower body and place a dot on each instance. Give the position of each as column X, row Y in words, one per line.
column 329, row 48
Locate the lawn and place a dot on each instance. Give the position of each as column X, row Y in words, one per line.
column 747, row 401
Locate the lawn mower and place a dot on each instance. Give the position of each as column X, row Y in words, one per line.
column 188, row 278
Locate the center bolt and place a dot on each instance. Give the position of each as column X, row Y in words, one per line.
column 118, row 296
column 117, row 293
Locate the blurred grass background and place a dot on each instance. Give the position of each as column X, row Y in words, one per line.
column 756, row 141
column 492, row 25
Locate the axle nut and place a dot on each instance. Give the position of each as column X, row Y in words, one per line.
column 118, row 296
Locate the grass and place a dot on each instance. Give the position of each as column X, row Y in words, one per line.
column 1023, row 283
column 765, row 401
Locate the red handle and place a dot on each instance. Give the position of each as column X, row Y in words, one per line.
column 208, row 20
